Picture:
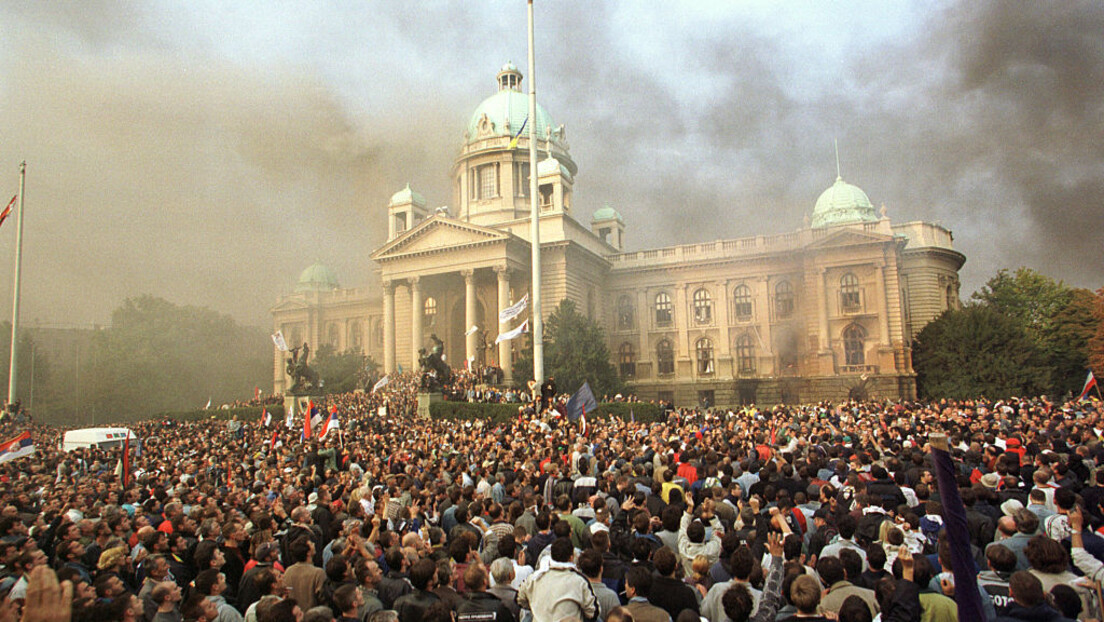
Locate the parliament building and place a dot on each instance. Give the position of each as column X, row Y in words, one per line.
column 823, row 312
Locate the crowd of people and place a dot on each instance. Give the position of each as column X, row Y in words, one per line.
column 814, row 512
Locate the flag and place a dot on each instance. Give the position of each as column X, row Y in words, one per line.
column 1090, row 382
column 278, row 339
column 17, row 447
column 954, row 520
column 471, row 331
column 289, row 422
column 126, row 459
column 513, row 310
column 7, row 210
column 272, row 445
column 267, row 418
column 307, row 420
column 256, row 393
column 513, row 142
column 208, row 404
column 580, row 402
column 508, row 335
column 331, row 423
column 582, row 422
column 382, row 383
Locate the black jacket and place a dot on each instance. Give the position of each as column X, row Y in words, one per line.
column 672, row 596
column 412, row 607
column 392, row 586
column 481, row 607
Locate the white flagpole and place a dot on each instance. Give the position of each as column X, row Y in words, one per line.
column 534, row 207
column 18, row 273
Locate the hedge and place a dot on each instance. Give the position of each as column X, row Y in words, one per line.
column 508, row 412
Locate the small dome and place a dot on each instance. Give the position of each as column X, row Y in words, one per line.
column 407, row 195
column 606, row 213
column 550, row 165
column 842, row 203
column 504, row 108
column 317, row 278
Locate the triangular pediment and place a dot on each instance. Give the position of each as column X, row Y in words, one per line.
column 290, row 304
column 436, row 234
column 848, row 236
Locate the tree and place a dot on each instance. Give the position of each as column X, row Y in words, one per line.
column 977, row 351
column 158, row 356
column 1096, row 340
column 1031, row 299
column 574, row 351
column 1069, row 340
column 341, row 372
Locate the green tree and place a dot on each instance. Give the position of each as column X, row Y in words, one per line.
column 977, row 351
column 1028, row 297
column 1069, row 340
column 574, row 351
column 158, row 356
column 1096, row 340
column 341, row 372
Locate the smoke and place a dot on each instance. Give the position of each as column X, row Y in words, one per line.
column 159, row 162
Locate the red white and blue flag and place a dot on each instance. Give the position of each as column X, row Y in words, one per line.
column 1090, row 382
column 331, row 423
column 17, row 447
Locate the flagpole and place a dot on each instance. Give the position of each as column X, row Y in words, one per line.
column 534, row 208
column 18, row 274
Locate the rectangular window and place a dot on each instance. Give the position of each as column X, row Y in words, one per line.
column 521, row 179
column 488, row 183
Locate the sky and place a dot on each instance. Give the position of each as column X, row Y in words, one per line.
column 206, row 152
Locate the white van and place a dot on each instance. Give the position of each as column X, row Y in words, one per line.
column 104, row 438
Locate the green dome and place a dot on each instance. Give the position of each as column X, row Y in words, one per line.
column 606, row 213
column 503, row 106
column 407, row 195
column 842, row 204
column 317, row 278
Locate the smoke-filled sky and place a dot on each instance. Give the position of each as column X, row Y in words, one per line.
column 208, row 151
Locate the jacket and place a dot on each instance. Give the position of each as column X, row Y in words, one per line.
column 688, row 550
column 483, row 606
column 559, row 592
column 412, row 607
column 304, row 583
column 672, row 595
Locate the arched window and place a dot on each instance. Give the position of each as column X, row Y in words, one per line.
column 663, row 309
column 625, row 314
column 741, row 303
column 854, row 338
column 333, row 336
column 745, row 354
column 783, row 299
column 850, row 299
column 703, row 307
column 430, row 306
column 626, row 356
column 665, row 358
column 356, row 336
column 704, row 349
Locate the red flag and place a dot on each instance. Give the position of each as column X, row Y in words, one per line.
column 306, row 420
column 7, row 210
column 272, row 446
column 256, row 393
column 126, row 442
column 1090, row 381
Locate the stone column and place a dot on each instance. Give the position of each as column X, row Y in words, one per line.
column 823, row 299
column 505, row 348
column 883, row 304
column 418, row 316
column 469, row 314
column 388, row 327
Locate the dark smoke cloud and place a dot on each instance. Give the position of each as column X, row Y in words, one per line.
column 159, row 166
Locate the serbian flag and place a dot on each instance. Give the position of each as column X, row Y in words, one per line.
column 7, row 210
column 1090, row 382
column 331, row 423
column 17, row 447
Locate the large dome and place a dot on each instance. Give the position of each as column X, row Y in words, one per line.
column 506, row 111
column 842, row 203
column 317, row 278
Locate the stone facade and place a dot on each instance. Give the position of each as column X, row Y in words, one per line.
column 823, row 312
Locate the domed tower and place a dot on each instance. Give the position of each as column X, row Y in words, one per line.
column 842, row 204
column 317, row 278
column 608, row 225
column 404, row 210
column 491, row 173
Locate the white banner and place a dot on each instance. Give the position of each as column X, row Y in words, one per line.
column 471, row 331
column 520, row 330
column 382, row 383
column 513, row 310
column 278, row 339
